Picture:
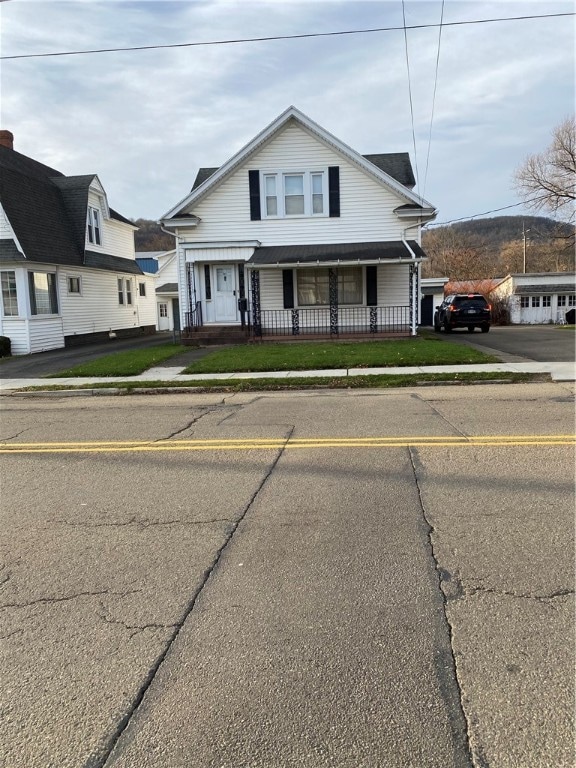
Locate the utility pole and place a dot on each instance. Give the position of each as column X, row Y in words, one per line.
column 524, row 249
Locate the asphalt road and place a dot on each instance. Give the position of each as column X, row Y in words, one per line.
column 351, row 579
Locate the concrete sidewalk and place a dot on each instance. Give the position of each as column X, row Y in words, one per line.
column 559, row 371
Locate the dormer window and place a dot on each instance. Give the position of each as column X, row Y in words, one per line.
column 94, row 231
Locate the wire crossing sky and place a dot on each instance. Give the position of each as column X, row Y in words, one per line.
column 102, row 87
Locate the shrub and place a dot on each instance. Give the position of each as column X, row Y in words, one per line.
column 5, row 346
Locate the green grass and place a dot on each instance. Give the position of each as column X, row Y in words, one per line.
column 320, row 382
column 302, row 356
column 129, row 363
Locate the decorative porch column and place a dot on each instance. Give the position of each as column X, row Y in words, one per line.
column 256, row 308
column 333, row 297
column 190, row 291
column 413, row 299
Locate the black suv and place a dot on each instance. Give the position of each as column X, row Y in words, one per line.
column 463, row 310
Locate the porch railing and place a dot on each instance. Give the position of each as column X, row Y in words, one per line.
column 332, row 321
column 193, row 319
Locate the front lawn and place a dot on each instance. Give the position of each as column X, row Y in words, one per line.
column 128, row 363
column 303, row 356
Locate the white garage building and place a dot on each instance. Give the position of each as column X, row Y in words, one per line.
column 537, row 298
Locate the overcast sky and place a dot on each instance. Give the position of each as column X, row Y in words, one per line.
column 145, row 121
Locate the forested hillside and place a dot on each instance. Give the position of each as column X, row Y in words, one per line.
column 467, row 250
column 486, row 248
column 150, row 237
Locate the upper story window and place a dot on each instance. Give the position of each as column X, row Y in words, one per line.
column 93, row 225
column 286, row 194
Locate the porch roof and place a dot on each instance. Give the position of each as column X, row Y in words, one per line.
column 373, row 253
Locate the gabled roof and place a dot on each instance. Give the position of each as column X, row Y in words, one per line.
column 47, row 212
column 203, row 187
column 395, row 164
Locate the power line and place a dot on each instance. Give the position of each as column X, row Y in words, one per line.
column 494, row 210
column 410, row 93
column 433, row 100
column 284, row 37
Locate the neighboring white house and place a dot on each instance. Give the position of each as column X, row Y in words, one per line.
column 431, row 295
column 164, row 266
column 67, row 266
column 301, row 234
column 543, row 297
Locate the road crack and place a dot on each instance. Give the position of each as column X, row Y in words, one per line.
column 473, row 754
column 101, row 760
column 65, row 598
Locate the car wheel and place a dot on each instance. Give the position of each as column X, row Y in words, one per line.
column 485, row 328
column 447, row 328
column 470, row 329
column 436, row 326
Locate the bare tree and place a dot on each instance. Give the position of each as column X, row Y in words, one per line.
column 547, row 181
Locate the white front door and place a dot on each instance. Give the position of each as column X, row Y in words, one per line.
column 225, row 294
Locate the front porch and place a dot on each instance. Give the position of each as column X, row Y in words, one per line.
column 335, row 323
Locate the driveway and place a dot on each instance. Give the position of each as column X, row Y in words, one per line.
column 542, row 343
column 56, row 360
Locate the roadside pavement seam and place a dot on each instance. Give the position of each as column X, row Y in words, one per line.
column 473, row 757
column 100, row 760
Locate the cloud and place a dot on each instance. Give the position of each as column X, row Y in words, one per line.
column 145, row 121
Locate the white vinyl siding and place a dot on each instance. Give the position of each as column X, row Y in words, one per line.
column 16, row 328
column 97, row 309
column 366, row 207
column 45, row 333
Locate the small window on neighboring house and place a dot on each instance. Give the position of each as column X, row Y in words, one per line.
column 207, row 283
column 561, row 301
column 73, row 285
column 142, row 289
column 9, row 294
column 524, row 301
column 94, row 232
column 535, row 301
column 120, row 291
column 128, row 291
column 545, row 301
column 572, row 301
column 43, row 297
column 163, row 310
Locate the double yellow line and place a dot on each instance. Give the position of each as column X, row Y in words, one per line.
column 275, row 443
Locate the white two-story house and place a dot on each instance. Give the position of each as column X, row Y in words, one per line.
column 68, row 272
column 298, row 234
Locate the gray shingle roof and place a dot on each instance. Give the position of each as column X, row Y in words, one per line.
column 395, row 164
column 111, row 263
column 47, row 211
column 9, row 251
column 345, row 252
column 167, row 288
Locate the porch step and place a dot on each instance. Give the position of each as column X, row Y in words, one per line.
column 216, row 334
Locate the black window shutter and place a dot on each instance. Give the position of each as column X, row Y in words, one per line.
column 334, row 190
column 288, row 287
column 371, row 287
column 254, row 184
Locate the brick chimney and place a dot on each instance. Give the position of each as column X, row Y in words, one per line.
column 7, row 139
